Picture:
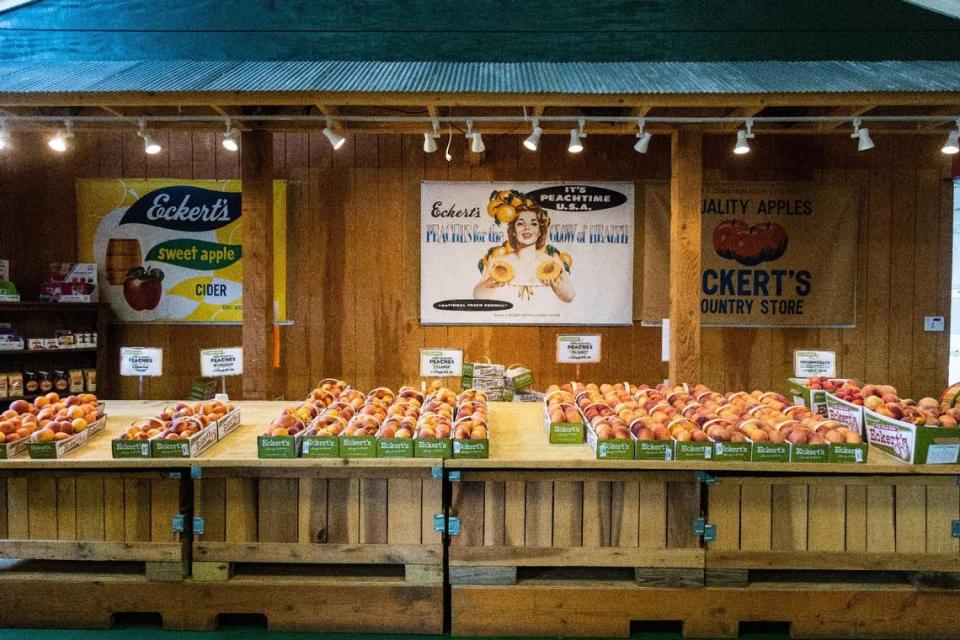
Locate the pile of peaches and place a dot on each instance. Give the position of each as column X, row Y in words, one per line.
column 471, row 423
column 561, row 404
column 885, row 400
column 179, row 422
column 436, row 415
column 402, row 415
column 48, row 418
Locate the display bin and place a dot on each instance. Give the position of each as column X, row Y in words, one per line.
column 358, row 531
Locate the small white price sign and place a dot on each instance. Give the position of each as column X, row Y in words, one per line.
column 141, row 361
column 578, row 349
column 814, row 363
column 215, row 363
column 441, row 363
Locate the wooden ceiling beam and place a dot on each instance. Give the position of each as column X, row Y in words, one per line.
column 237, row 98
column 740, row 112
column 845, row 112
column 946, row 110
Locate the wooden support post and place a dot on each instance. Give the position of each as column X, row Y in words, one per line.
column 256, row 172
column 686, row 185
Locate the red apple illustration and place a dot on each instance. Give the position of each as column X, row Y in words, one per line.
column 143, row 288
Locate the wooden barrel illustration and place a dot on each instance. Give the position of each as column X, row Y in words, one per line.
column 123, row 254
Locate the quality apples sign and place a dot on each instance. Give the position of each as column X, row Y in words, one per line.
column 773, row 254
column 526, row 253
column 171, row 251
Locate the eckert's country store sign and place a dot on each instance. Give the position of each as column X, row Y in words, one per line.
column 781, row 254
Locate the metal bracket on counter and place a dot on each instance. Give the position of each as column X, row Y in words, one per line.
column 198, row 527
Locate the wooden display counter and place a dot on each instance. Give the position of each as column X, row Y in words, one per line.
column 545, row 540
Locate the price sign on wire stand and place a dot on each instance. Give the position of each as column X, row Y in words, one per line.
column 808, row 363
column 441, row 363
column 221, row 363
column 141, row 362
column 580, row 349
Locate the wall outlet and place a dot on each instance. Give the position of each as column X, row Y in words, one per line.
column 933, row 323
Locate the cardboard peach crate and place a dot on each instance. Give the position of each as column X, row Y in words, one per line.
column 187, row 448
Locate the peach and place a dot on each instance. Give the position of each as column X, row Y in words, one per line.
column 60, row 436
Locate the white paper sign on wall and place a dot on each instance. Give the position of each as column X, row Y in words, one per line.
column 215, row 363
column 441, row 363
column 807, row 363
column 578, row 349
column 141, row 361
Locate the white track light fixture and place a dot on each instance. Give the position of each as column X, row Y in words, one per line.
column 60, row 141
column 952, row 145
column 533, row 140
column 643, row 137
column 430, row 139
column 336, row 140
column 576, row 135
column 150, row 146
column 864, row 142
column 742, row 146
column 231, row 138
column 476, row 140
column 4, row 137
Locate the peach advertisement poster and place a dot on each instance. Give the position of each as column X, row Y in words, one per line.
column 532, row 253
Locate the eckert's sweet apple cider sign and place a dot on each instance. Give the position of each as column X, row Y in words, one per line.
column 170, row 250
column 772, row 254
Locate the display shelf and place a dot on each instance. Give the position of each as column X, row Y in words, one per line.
column 58, row 307
column 31, row 352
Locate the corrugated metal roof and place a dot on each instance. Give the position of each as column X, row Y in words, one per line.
column 482, row 77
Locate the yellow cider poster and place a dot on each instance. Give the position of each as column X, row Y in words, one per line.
column 171, row 250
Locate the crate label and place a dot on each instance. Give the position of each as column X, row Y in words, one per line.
column 855, row 453
column 394, row 448
column 432, row 448
column 271, row 447
column 845, row 412
column 321, row 447
column 730, row 451
column 566, row 432
column 615, row 450
column 228, row 424
column 130, row 448
column 943, row 453
column 809, row 453
column 654, row 449
column 358, row 446
column 765, row 452
column 687, row 450
column 894, row 437
column 471, row 448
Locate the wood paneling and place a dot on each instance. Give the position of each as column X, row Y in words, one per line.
column 353, row 271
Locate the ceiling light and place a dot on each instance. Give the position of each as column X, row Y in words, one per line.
column 643, row 138
column 150, row 146
column 952, row 145
column 336, row 140
column 576, row 145
column 476, row 140
column 231, row 139
column 60, row 140
column 4, row 137
column 742, row 146
column 533, row 140
column 863, row 136
column 430, row 138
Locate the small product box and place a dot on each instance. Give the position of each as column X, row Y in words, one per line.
column 66, row 339
column 4, row 386
column 615, row 449
column 58, row 448
column 70, row 282
column 10, row 340
column 15, row 385
column 655, row 449
column 90, row 380
column 482, row 370
column 809, row 452
column 690, row 450
column 35, row 344
column 51, row 344
column 564, row 431
column 733, row 451
column 913, row 444
column 75, row 379
column 518, row 378
column 771, row 452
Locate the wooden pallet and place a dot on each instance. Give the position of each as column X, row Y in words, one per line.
column 325, row 518
column 608, row 609
column 511, row 521
column 865, row 524
column 93, row 516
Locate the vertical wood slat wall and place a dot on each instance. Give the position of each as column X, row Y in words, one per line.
column 353, row 244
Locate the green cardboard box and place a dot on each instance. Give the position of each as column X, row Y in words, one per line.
column 689, row 450
column 130, row 448
column 60, row 448
column 482, row 370
column 809, row 453
column 845, row 413
column 813, row 399
column 564, row 432
column 394, row 448
column 12, row 449
column 279, row 447
column 519, row 378
column 654, row 449
column 611, row 449
column 358, row 446
column 320, row 447
column 733, row 451
column 911, row 443
column 189, row 448
column 852, row 453
column 769, row 452
column 432, row 448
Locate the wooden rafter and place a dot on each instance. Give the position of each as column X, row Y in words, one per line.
column 740, row 112
column 945, row 110
column 847, row 112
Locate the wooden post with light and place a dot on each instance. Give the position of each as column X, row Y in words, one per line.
column 256, row 174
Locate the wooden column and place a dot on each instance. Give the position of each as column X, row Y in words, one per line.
column 686, row 185
column 256, row 172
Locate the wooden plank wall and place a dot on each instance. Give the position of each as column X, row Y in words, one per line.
column 354, row 253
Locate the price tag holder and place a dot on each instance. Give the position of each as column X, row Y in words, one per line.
column 441, row 363
column 141, row 362
column 808, row 363
column 578, row 349
column 220, row 363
